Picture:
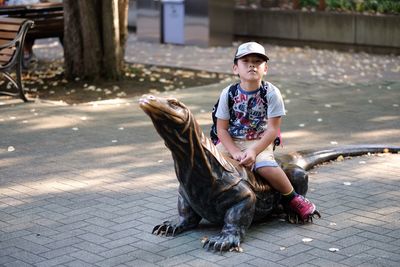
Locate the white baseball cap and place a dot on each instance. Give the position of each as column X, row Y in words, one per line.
column 251, row 48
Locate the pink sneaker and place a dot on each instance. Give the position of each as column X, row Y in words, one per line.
column 304, row 208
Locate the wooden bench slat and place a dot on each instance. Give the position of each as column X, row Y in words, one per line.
column 8, row 50
column 9, row 20
column 5, row 58
column 8, row 35
column 9, row 27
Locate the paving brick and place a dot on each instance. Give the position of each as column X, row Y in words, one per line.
column 87, row 256
column 324, row 253
column 141, row 263
column 265, row 244
column 381, row 253
column 349, row 241
column 17, row 263
column 179, row 250
column 27, row 257
column 120, row 242
column 93, row 238
column 177, row 261
column 262, row 253
column 90, row 247
column 78, row 263
column 206, row 255
column 148, row 246
column 55, row 261
column 28, row 246
column 265, row 262
column 63, row 243
column 6, row 259
column 296, row 260
column 235, row 259
column 58, row 252
column 326, row 263
column 381, row 262
column 147, row 256
column 354, row 249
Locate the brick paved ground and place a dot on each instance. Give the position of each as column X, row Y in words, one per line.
column 84, row 185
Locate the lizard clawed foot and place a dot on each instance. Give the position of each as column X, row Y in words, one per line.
column 222, row 242
column 167, row 228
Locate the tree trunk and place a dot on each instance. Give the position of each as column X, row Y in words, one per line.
column 296, row 4
column 92, row 38
column 123, row 6
column 322, row 5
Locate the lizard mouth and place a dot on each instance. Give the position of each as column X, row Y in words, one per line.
column 167, row 109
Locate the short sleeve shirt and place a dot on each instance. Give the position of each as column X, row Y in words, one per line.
column 249, row 115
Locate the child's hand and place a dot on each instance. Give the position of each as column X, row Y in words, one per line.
column 238, row 155
column 249, row 159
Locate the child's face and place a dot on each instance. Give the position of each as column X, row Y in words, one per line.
column 250, row 68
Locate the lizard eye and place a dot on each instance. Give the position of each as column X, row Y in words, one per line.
column 174, row 102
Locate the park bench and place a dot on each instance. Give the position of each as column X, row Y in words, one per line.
column 48, row 19
column 12, row 36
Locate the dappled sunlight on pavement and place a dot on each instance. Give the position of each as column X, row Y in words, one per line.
column 85, row 184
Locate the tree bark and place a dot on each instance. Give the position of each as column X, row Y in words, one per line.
column 111, row 40
column 123, row 6
column 296, row 4
column 322, row 5
column 92, row 38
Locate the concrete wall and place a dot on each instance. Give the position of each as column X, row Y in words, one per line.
column 378, row 30
column 324, row 27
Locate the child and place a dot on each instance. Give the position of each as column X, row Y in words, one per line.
column 247, row 130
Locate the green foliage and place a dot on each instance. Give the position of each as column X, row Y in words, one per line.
column 369, row 6
column 343, row 5
column 309, row 3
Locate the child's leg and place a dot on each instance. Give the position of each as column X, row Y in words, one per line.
column 277, row 178
column 267, row 168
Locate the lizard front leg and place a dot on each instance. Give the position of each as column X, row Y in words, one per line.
column 188, row 219
column 237, row 220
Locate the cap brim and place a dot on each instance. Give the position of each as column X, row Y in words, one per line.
column 245, row 54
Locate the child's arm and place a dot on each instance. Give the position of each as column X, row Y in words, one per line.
column 268, row 137
column 226, row 139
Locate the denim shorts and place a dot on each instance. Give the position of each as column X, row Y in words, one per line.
column 264, row 159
